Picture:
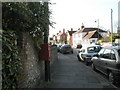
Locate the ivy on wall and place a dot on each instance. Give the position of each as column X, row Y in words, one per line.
column 10, row 60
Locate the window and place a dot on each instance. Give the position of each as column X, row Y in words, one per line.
column 93, row 41
column 83, row 50
column 112, row 54
column 101, row 53
column 107, row 54
column 98, row 49
column 91, row 49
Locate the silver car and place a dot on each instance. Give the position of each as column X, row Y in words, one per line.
column 108, row 62
column 86, row 53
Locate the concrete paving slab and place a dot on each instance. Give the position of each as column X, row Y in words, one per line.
column 68, row 72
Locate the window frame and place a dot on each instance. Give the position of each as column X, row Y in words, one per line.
column 101, row 54
column 114, row 55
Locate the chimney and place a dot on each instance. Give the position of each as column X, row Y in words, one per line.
column 82, row 26
column 59, row 31
column 63, row 30
column 71, row 29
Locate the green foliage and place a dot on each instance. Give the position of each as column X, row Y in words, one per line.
column 10, row 60
column 114, row 36
column 31, row 17
column 25, row 16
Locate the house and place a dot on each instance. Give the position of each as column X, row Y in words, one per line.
column 91, row 37
column 62, row 37
column 70, row 37
column 54, row 38
column 85, row 36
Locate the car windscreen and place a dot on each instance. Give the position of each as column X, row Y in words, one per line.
column 66, row 46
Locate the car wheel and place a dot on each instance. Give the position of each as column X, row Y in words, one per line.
column 111, row 78
column 93, row 67
column 72, row 52
column 78, row 57
column 86, row 63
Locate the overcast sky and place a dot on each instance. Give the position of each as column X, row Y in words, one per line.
column 72, row 13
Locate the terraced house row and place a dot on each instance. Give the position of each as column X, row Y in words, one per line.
column 84, row 35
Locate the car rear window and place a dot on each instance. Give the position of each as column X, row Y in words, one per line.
column 67, row 46
column 93, row 49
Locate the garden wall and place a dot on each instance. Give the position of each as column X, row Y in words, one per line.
column 32, row 71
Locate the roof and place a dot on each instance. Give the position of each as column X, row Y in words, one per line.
column 71, row 32
column 89, row 35
column 60, row 34
column 88, row 30
column 91, row 29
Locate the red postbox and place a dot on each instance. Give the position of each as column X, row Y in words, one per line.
column 45, row 52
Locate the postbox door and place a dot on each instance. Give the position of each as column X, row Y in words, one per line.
column 45, row 52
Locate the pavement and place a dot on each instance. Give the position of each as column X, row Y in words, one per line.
column 68, row 72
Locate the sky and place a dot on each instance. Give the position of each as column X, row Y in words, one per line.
column 69, row 14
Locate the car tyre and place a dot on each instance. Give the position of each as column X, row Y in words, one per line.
column 93, row 67
column 86, row 63
column 111, row 78
column 72, row 52
column 78, row 58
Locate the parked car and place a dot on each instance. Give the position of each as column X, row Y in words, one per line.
column 108, row 62
column 58, row 47
column 86, row 53
column 66, row 49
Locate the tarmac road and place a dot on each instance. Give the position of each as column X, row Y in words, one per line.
column 68, row 72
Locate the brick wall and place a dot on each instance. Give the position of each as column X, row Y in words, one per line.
column 32, row 71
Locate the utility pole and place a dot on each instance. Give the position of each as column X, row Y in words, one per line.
column 112, row 26
column 46, row 33
column 98, row 27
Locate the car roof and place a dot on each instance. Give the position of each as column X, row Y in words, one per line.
column 66, row 44
column 90, row 46
column 114, row 47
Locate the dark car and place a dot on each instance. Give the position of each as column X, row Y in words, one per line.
column 66, row 49
column 86, row 53
column 58, row 47
column 108, row 62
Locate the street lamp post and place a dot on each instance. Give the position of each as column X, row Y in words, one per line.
column 98, row 27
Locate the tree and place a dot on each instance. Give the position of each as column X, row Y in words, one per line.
column 24, row 16
column 114, row 36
